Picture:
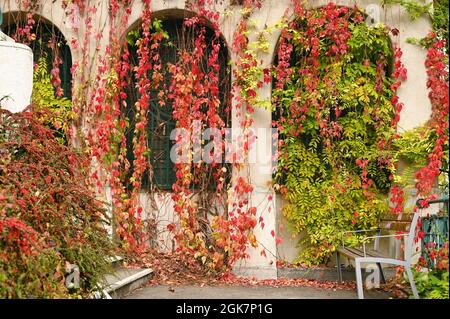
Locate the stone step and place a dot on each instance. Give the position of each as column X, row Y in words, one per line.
column 116, row 261
column 124, row 280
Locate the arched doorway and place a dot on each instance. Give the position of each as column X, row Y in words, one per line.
column 47, row 42
column 333, row 107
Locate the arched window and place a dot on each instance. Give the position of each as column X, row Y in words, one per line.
column 178, row 37
column 48, row 42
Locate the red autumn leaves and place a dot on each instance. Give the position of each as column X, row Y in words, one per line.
column 439, row 96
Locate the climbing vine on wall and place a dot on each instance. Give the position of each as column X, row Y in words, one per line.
column 334, row 103
column 336, row 108
column 426, row 148
column 194, row 95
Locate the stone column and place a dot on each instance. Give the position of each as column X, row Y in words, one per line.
column 16, row 74
column 262, row 261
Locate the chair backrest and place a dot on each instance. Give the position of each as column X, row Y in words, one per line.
column 402, row 223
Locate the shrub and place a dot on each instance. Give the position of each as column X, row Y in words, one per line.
column 433, row 284
column 49, row 216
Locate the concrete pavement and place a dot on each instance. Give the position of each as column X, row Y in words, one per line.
column 247, row 292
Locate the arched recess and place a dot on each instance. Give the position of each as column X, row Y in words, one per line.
column 296, row 56
column 313, row 172
column 179, row 37
column 46, row 40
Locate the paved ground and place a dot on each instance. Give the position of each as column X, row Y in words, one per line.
column 245, row 292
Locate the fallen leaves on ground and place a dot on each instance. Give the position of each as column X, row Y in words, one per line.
column 396, row 288
column 174, row 269
column 287, row 282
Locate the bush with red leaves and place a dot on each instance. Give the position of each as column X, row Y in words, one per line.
column 48, row 214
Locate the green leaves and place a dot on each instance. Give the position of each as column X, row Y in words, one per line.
column 414, row 8
column 433, row 284
column 44, row 98
column 414, row 145
column 412, row 148
column 132, row 37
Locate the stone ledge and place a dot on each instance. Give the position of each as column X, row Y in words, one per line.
column 124, row 281
column 257, row 272
column 326, row 274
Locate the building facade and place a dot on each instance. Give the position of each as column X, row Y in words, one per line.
column 413, row 93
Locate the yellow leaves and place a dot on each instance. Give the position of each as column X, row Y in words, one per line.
column 246, row 10
column 262, row 44
column 360, row 90
column 282, row 24
column 253, row 23
column 202, row 257
column 197, row 254
column 364, row 98
column 111, row 78
column 252, row 240
column 266, row 104
column 227, row 13
column 187, row 232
